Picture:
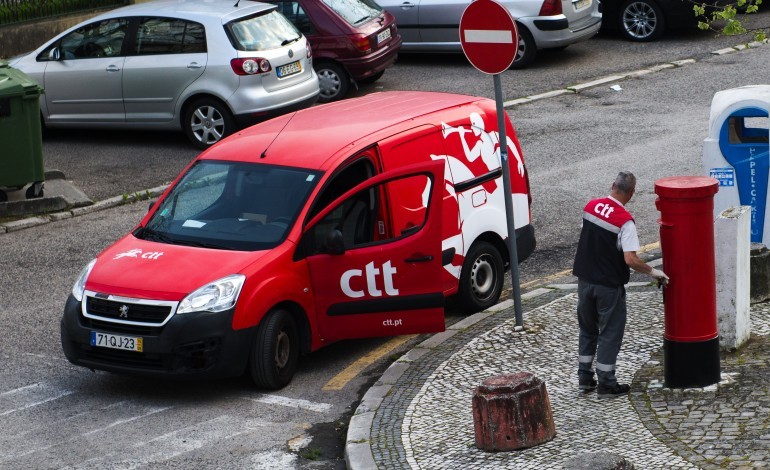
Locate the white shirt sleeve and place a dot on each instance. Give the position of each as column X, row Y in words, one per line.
column 628, row 239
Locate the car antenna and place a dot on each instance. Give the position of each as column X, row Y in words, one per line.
column 236, row 3
column 264, row 152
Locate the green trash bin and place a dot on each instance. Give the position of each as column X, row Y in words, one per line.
column 21, row 153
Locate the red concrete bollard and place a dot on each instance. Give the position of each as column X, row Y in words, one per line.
column 512, row 412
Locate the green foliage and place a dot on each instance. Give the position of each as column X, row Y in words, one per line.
column 728, row 19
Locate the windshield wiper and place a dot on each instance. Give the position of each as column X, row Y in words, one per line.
column 289, row 41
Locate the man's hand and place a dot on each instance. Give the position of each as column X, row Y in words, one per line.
column 659, row 276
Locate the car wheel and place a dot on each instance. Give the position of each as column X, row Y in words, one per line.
column 641, row 20
column 207, row 121
column 275, row 353
column 333, row 81
column 527, row 49
column 481, row 279
column 372, row 78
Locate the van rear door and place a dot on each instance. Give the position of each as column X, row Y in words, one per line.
column 374, row 275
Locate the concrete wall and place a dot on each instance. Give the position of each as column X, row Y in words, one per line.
column 17, row 39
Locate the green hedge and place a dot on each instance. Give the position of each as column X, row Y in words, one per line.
column 17, row 11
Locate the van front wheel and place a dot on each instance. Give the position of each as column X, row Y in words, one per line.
column 275, row 353
column 481, row 280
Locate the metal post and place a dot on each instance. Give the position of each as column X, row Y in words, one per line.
column 514, row 256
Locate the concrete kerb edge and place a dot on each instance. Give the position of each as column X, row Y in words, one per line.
column 358, row 451
column 37, row 220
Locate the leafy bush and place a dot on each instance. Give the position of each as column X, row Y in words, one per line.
column 17, row 11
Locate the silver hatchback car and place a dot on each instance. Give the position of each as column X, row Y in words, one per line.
column 434, row 25
column 207, row 67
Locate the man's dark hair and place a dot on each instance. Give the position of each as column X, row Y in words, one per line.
column 625, row 182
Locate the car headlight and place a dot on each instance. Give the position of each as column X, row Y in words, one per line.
column 80, row 284
column 214, row 297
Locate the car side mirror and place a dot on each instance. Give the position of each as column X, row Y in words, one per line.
column 54, row 54
column 335, row 244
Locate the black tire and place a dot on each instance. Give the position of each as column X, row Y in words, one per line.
column 3, row 196
column 275, row 353
column 34, row 191
column 641, row 20
column 207, row 121
column 333, row 80
column 527, row 49
column 482, row 277
column 372, row 78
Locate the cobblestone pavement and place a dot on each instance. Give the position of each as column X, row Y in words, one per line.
column 419, row 414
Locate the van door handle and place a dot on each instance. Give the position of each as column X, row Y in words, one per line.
column 112, row 68
column 194, row 65
column 419, row 258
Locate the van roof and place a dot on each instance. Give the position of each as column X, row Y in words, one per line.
column 313, row 137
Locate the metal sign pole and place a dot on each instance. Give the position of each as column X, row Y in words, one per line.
column 514, row 256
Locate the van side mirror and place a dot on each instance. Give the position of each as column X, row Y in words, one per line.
column 335, row 244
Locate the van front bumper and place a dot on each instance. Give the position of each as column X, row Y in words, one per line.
column 190, row 345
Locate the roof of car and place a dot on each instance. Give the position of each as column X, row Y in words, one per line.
column 313, row 137
column 220, row 9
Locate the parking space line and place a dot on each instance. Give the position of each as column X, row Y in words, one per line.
column 339, row 381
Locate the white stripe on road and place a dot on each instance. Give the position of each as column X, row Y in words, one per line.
column 489, row 36
column 291, row 402
column 29, row 396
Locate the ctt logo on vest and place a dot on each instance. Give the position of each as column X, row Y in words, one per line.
column 604, row 210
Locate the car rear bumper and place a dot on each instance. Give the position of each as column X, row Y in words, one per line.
column 360, row 68
column 557, row 32
column 255, row 100
column 525, row 242
column 194, row 345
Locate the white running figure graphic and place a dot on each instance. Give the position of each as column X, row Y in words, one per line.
column 133, row 253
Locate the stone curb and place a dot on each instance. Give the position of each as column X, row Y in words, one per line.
column 37, row 220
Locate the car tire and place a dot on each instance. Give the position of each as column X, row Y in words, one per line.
column 527, row 49
column 207, row 121
column 641, row 20
column 333, row 80
column 372, row 78
column 275, row 353
column 482, row 277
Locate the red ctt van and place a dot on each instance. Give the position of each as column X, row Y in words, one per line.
column 348, row 220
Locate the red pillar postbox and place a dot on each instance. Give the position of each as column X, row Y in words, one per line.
column 691, row 338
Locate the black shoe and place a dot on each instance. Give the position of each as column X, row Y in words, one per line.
column 616, row 390
column 587, row 384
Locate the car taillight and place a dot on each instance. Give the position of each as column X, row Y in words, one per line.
column 309, row 51
column 551, row 8
column 250, row 66
column 361, row 42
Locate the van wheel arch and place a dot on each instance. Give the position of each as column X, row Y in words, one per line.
column 483, row 274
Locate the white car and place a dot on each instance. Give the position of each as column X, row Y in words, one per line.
column 434, row 25
column 206, row 67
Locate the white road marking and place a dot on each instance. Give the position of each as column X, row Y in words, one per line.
column 489, row 36
column 291, row 402
column 127, row 420
column 29, row 396
column 272, row 460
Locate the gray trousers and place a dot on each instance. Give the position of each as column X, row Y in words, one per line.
column 601, row 312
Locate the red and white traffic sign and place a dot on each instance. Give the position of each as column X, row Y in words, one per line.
column 488, row 36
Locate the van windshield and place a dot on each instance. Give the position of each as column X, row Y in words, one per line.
column 262, row 32
column 231, row 206
column 355, row 12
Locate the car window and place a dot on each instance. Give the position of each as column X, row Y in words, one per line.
column 169, row 36
column 99, row 39
column 229, row 205
column 262, row 32
column 294, row 12
column 355, row 12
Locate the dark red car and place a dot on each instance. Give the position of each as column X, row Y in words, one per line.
column 353, row 41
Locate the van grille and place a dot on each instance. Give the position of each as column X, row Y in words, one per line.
column 137, row 312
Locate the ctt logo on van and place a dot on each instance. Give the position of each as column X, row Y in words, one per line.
column 372, row 283
column 137, row 253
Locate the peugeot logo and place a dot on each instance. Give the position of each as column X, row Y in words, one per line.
column 123, row 311
column 291, row 53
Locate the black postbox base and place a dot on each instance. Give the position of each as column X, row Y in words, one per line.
column 691, row 364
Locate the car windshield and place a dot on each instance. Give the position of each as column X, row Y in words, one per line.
column 231, row 206
column 262, row 32
column 355, row 12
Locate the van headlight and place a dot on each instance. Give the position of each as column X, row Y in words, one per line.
column 80, row 285
column 214, row 297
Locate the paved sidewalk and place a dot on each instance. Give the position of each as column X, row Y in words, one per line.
column 418, row 415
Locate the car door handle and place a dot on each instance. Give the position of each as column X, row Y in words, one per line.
column 406, row 5
column 194, row 65
column 419, row 258
column 113, row 68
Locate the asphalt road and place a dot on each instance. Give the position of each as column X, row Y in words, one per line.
column 54, row 415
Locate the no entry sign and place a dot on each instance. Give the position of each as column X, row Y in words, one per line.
column 488, row 36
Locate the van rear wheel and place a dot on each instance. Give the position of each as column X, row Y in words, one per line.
column 481, row 279
column 275, row 353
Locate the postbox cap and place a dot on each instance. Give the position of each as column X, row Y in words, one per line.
column 685, row 187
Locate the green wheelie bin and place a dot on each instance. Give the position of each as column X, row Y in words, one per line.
column 21, row 145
